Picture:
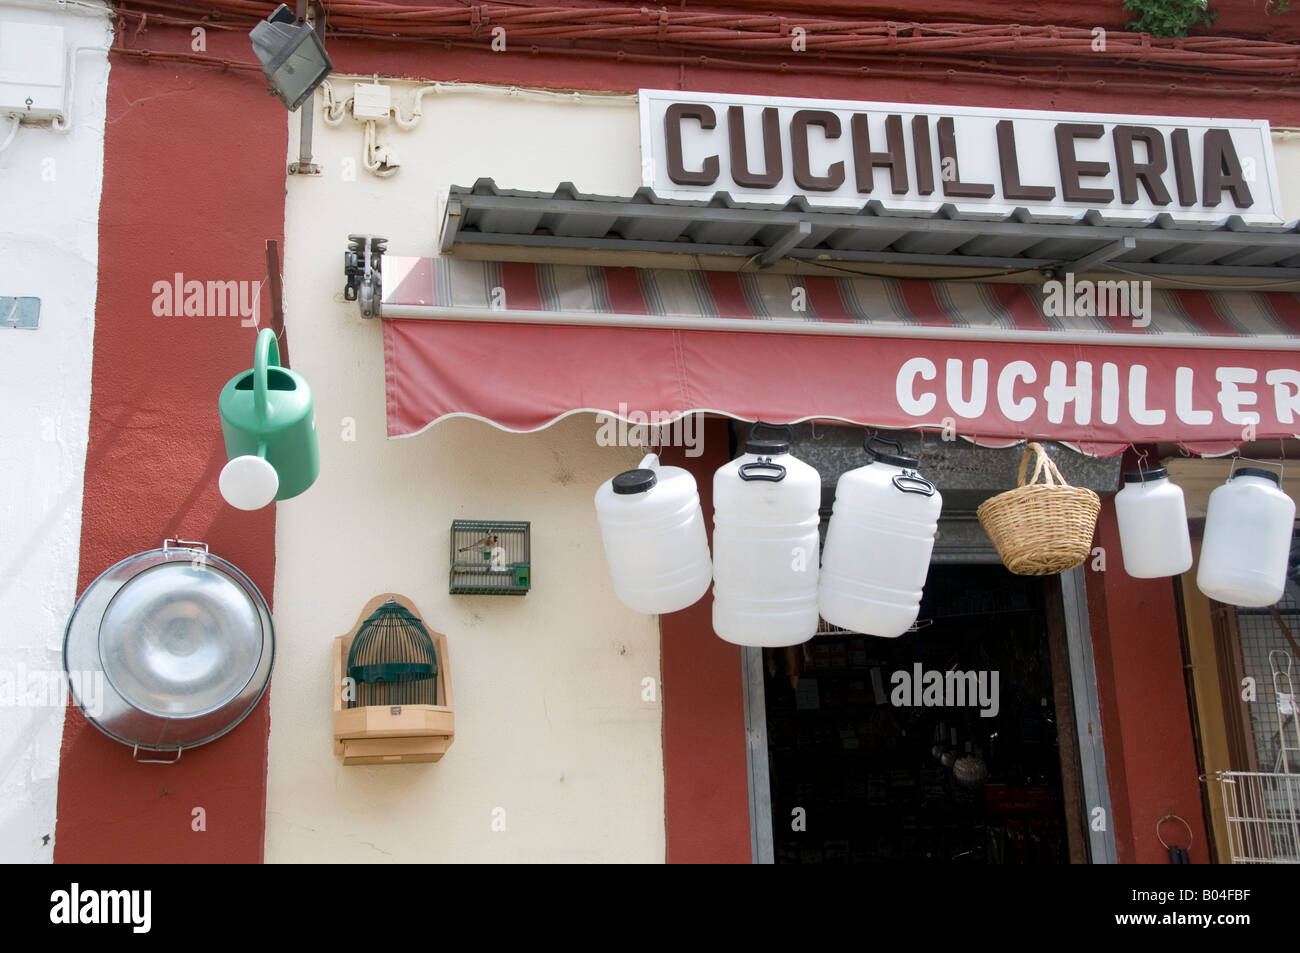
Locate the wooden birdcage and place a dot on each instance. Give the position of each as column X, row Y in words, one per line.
column 392, row 660
column 392, row 687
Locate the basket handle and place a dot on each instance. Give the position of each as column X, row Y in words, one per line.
column 1043, row 465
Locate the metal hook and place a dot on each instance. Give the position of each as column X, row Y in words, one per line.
column 1238, row 458
column 1142, row 458
column 812, row 424
column 1191, row 837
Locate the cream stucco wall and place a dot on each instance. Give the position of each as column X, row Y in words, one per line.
column 49, row 248
column 550, row 719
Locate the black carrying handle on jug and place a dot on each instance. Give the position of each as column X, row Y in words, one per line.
column 909, row 481
column 874, row 437
column 788, row 428
column 912, row 483
column 764, row 463
column 776, row 472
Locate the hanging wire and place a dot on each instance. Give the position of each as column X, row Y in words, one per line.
column 1191, row 837
column 1208, row 285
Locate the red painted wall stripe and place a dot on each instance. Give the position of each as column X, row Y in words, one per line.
column 706, row 778
column 1145, row 719
column 194, row 164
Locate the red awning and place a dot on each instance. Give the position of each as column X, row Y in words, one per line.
column 523, row 345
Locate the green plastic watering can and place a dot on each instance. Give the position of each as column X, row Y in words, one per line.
column 269, row 424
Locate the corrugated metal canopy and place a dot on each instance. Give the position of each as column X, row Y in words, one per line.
column 485, row 215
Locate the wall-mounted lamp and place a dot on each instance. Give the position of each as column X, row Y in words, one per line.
column 293, row 58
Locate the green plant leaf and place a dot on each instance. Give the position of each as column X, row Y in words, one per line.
column 1171, row 17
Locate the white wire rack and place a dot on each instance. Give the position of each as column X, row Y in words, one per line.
column 1262, row 808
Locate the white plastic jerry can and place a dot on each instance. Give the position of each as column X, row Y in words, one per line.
column 1152, row 518
column 878, row 544
column 1247, row 540
column 765, row 521
column 655, row 541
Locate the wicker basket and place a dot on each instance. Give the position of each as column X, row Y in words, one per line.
column 1041, row 528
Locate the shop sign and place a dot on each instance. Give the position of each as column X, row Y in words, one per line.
column 1156, row 393
column 910, row 157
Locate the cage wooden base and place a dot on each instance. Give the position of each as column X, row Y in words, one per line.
column 413, row 750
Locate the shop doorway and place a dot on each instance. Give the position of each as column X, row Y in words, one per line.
column 955, row 743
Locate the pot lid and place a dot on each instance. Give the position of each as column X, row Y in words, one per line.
column 180, row 639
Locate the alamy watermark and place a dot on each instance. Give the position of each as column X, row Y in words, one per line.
column 75, row 905
column 650, row 429
column 931, row 688
column 207, row 299
column 1089, row 299
column 22, row 687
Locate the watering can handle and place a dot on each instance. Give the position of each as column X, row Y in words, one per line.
column 267, row 354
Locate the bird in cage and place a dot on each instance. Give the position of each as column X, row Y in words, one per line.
column 486, row 543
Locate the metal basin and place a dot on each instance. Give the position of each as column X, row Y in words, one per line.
column 179, row 643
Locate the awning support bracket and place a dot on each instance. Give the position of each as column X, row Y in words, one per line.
column 792, row 236
column 361, row 269
column 450, row 225
column 1103, row 254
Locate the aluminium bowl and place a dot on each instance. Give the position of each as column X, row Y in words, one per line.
column 169, row 649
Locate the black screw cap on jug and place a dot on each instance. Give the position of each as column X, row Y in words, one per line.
column 1145, row 476
column 1257, row 472
column 634, row 481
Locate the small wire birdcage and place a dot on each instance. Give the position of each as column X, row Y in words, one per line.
column 392, row 660
column 490, row 558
